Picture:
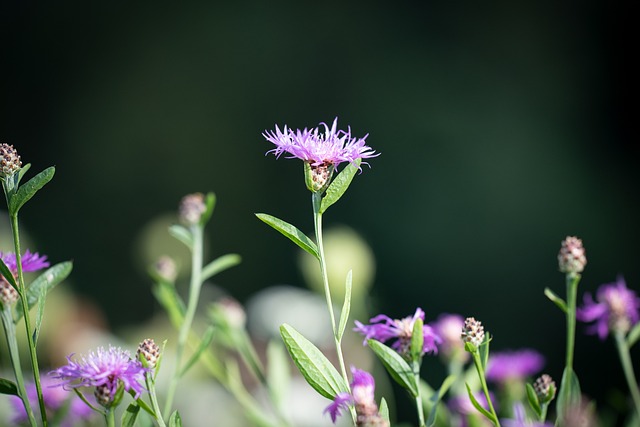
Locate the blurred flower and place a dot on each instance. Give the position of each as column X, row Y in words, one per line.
column 616, row 309
column 462, row 404
column 571, row 258
column 10, row 162
column 448, row 327
column 545, row 388
column 191, row 208
column 399, row 330
column 30, row 261
column 472, row 332
column 8, row 295
column 362, row 397
column 104, row 369
column 166, row 268
column 513, row 365
column 520, row 419
column 54, row 399
column 316, row 148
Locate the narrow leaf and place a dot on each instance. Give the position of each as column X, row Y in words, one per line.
column 39, row 315
column 210, row 204
column 569, row 394
column 7, row 274
column 532, row 397
column 278, row 375
column 8, row 387
column 204, row 343
column 49, row 279
column 397, row 367
column 417, row 339
column 175, row 420
column 130, row 414
column 182, row 234
column 477, row 404
column 219, row 265
column 633, row 336
column 23, row 170
column 144, row 405
column 437, row 397
column 29, row 189
column 384, row 410
column 291, row 232
column 339, row 185
column 169, row 299
column 346, row 306
column 556, row 299
column 484, row 350
column 312, row 364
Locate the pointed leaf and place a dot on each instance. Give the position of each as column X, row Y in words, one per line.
column 569, row 394
column 29, row 189
column 346, row 306
column 278, row 375
column 175, row 420
column 39, row 315
column 210, row 204
column 312, row 364
column 532, row 397
column 437, row 397
column 477, row 404
column 397, row 367
column 291, row 232
column 633, row 336
column 169, row 299
column 7, row 274
column 183, row 234
column 339, row 185
column 484, row 350
column 8, row 387
column 220, row 264
column 23, row 170
column 417, row 340
column 202, row 346
column 130, row 414
column 49, row 279
column 556, row 299
column 384, row 410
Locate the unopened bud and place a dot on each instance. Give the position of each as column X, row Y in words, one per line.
column 191, row 208
column 473, row 332
column 166, row 268
column 8, row 295
column 149, row 351
column 545, row 388
column 571, row 258
column 9, row 160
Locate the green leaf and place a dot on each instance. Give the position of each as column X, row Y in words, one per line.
column 346, row 306
column 484, row 350
column 49, row 279
column 339, row 185
column 175, row 420
column 556, row 299
column 569, row 394
column 532, row 397
column 397, row 367
column 417, row 340
column 144, row 405
column 278, row 375
column 8, row 387
column 29, row 189
column 7, row 274
column 39, row 315
column 312, row 364
column 633, row 336
column 182, row 234
column 219, row 265
column 291, row 232
column 23, row 170
column 437, row 397
column 202, row 346
column 130, row 414
column 210, row 204
column 169, row 299
column 477, row 404
column 384, row 410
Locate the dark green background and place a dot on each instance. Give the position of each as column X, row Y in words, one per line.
column 503, row 127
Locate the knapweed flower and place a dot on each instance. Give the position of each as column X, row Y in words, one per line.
column 362, row 397
column 106, row 370
column 571, row 258
column 520, row 419
column 448, row 327
column 149, row 351
column 191, row 208
column 10, row 162
column 55, row 399
column 383, row 329
column 472, row 332
column 322, row 151
column 616, row 308
column 513, row 365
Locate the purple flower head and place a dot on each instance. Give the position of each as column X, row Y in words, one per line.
column 54, row 399
column 448, row 327
column 513, row 365
column 30, row 261
column 616, row 309
column 383, row 329
column 520, row 419
column 362, row 397
column 104, row 369
column 330, row 147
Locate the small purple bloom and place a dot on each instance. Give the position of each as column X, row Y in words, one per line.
column 30, row 261
column 383, row 328
column 448, row 327
column 520, row 419
column 320, row 148
column 105, row 370
column 362, row 397
column 616, row 309
column 513, row 365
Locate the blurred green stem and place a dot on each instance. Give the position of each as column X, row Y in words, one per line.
column 185, row 328
column 627, row 366
column 415, row 365
column 110, row 417
column 572, row 293
column 485, row 389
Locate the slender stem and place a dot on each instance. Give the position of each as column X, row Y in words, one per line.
column 485, row 389
column 627, row 366
column 194, row 295
column 110, row 417
column 14, row 354
column 572, row 292
column 27, row 320
column 416, row 373
column 543, row 412
column 317, row 222
column 151, row 386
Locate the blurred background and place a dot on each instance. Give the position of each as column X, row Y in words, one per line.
column 503, row 128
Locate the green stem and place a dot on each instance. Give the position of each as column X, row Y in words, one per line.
column 572, row 293
column 416, row 373
column 110, row 418
column 317, row 222
column 151, row 386
column 627, row 366
column 14, row 355
column 485, row 389
column 27, row 320
column 194, row 295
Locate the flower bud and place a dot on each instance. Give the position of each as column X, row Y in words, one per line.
column 545, row 388
column 192, row 207
column 8, row 295
column 473, row 332
column 571, row 258
column 229, row 312
column 9, row 160
column 148, row 353
column 104, row 395
column 166, row 268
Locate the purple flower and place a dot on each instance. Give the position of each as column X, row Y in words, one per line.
column 513, row 365
column 462, row 404
column 54, row 399
column 362, row 397
column 616, row 308
column 104, row 369
column 520, row 419
column 318, row 148
column 384, row 328
column 448, row 327
column 30, row 261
